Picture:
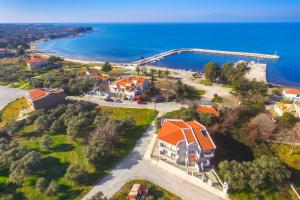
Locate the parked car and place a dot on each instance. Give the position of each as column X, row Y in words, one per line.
column 109, row 99
column 139, row 101
column 117, row 101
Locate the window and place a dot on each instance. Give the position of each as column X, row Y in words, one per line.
column 204, row 133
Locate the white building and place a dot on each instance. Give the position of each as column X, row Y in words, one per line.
column 293, row 94
column 129, row 87
column 186, row 143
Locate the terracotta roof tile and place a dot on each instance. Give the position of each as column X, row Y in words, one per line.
column 174, row 131
column 292, row 91
column 207, row 110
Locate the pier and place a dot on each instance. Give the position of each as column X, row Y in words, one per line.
column 160, row 56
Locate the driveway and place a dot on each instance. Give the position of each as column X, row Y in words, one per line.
column 134, row 166
column 8, row 94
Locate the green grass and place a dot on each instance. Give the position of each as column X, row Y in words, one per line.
column 205, row 82
column 64, row 152
column 11, row 111
column 142, row 117
column 154, row 190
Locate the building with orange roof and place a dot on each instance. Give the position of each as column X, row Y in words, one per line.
column 46, row 98
column 36, row 63
column 290, row 93
column 186, row 143
column 130, row 87
column 208, row 110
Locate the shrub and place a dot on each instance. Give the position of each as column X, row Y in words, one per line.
column 52, row 189
column 76, row 173
column 46, row 142
column 287, row 120
column 41, row 184
column 98, row 196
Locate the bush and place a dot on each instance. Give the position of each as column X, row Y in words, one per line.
column 41, row 184
column 97, row 151
column 24, row 166
column 98, row 196
column 287, row 120
column 76, row 173
column 52, row 189
column 106, row 67
column 46, row 142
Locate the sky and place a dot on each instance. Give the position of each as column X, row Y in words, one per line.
column 63, row 11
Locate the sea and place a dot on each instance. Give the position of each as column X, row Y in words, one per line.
column 128, row 42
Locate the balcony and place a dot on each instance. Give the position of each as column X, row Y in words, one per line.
column 168, row 148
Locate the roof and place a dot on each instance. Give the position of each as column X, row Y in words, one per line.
column 292, row 91
column 208, row 110
column 101, row 77
column 137, row 81
column 36, row 60
column 43, row 92
column 176, row 130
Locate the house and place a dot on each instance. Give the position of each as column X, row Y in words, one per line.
column 137, row 192
column 290, row 93
column 37, row 63
column 186, row 143
column 208, row 110
column 91, row 72
column 129, row 87
column 46, row 98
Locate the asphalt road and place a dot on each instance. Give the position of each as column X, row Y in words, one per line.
column 8, row 94
column 134, row 166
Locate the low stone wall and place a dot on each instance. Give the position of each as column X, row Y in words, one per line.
column 192, row 179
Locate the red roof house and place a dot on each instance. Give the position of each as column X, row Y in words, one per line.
column 45, row 98
column 207, row 110
column 187, row 143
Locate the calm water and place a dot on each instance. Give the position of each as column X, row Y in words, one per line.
column 128, row 42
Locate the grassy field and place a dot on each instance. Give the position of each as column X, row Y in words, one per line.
column 205, row 82
column 154, row 190
column 11, row 111
column 64, row 152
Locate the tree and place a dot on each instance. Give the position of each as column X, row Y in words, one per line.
column 211, row 71
column 98, row 196
column 159, row 72
column 138, row 70
column 167, row 73
column 153, row 72
column 257, row 175
column 42, row 123
column 144, row 69
column 41, row 184
column 52, row 189
column 45, row 142
column 106, row 67
column 217, row 99
column 54, row 59
column 97, row 152
column 24, row 166
column 287, row 120
column 76, row 173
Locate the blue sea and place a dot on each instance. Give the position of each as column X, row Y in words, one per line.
column 129, row 42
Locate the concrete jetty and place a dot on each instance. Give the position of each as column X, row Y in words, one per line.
column 160, row 56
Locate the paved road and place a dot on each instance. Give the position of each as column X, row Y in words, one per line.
column 161, row 107
column 134, row 166
column 8, row 94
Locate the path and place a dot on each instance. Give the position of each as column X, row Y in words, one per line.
column 133, row 166
column 8, row 94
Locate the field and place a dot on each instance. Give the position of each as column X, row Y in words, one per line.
column 154, row 190
column 64, row 152
column 11, row 111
